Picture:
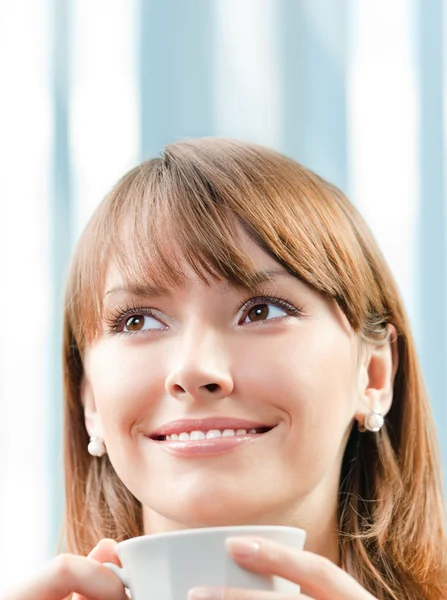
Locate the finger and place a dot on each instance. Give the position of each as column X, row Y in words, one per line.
column 67, row 574
column 104, row 551
column 320, row 577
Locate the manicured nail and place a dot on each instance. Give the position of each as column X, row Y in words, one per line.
column 242, row 548
column 203, row 593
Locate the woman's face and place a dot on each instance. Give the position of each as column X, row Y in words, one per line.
column 218, row 358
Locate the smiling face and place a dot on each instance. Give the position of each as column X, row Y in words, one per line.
column 281, row 356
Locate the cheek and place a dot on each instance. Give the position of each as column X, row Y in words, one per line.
column 312, row 384
column 126, row 382
column 308, row 374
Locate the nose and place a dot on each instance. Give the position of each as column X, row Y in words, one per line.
column 202, row 372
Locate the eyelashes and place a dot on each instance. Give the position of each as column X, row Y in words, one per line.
column 116, row 320
column 277, row 301
column 118, row 317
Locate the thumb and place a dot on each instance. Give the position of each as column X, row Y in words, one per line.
column 105, row 551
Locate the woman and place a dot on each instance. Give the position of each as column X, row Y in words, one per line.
column 236, row 352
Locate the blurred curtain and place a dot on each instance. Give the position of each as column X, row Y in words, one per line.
column 353, row 89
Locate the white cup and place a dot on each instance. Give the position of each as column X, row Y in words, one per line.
column 166, row 566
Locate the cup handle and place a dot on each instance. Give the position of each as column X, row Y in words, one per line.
column 119, row 572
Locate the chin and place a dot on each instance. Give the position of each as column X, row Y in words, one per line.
column 211, row 511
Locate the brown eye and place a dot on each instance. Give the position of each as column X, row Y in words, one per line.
column 258, row 312
column 266, row 311
column 135, row 323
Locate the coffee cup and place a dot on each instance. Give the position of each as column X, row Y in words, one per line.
column 166, row 566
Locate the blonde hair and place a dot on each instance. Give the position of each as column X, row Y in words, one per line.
column 192, row 202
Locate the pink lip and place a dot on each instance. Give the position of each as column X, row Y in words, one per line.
column 206, row 424
column 208, row 447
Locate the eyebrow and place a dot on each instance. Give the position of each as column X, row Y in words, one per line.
column 147, row 290
column 140, row 291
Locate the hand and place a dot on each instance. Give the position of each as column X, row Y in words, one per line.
column 320, row 577
column 67, row 574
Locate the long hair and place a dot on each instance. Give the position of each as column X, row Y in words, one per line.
column 191, row 204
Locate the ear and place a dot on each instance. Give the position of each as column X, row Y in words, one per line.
column 92, row 421
column 378, row 372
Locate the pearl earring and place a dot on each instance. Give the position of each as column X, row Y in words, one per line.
column 373, row 422
column 96, row 447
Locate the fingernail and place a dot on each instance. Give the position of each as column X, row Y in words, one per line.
column 242, row 548
column 203, row 593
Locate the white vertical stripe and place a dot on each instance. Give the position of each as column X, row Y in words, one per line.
column 25, row 146
column 383, row 127
column 104, row 102
column 247, row 82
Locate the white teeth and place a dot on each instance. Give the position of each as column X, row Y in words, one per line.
column 201, row 435
column 228, row 432
column 213, row 433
